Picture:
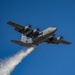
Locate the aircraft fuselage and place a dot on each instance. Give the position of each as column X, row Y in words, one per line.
column 44, row 36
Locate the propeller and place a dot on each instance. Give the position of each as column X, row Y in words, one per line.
column 30, row 26
column 61, row 37
column 38, row 29
column 53, row 35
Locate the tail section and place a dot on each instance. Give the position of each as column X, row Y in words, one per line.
column 21, row 43
column 24, row 38
column 24, row 41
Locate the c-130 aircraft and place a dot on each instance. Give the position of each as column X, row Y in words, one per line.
column 34, row 37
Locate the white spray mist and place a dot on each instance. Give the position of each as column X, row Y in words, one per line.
column 8, row 65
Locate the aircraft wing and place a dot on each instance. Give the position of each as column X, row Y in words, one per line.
column 16, row 26
column 21, row 43
column 55, row 41
column 65, row 42
column 25, row 30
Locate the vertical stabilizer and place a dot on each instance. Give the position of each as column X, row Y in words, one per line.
column 24, row 38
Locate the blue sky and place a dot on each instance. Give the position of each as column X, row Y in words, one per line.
column 46, row 59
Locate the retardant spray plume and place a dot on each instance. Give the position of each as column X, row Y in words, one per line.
column 8, row 65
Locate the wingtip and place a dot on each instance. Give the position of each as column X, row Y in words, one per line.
column 8, row 22
column 12, row 40
column 70, row 43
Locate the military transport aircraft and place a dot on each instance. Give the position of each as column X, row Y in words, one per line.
column 34, row 37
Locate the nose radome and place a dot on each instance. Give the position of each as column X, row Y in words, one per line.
column 54, row 29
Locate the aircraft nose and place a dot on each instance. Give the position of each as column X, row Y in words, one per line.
column 54, row 29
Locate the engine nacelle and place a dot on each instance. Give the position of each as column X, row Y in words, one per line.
column 36, row 30
column 28, row 27
column 60, row 38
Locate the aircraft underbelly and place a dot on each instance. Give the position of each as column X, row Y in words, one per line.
column 41, row 39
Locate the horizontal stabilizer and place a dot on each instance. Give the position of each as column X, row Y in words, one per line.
column 21, row 43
